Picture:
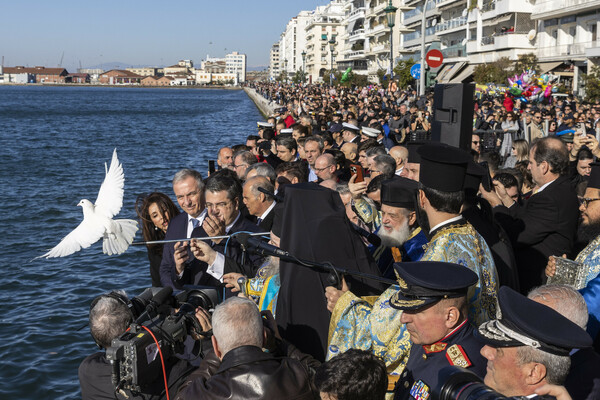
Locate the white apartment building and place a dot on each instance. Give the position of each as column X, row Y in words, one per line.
column 567, row 38
column 325, row 23
column 235, row 63
column 292, row 42
column 274, row 68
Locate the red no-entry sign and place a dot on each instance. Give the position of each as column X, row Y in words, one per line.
column 434, row 58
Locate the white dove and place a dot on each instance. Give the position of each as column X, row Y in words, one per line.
column 97, row 219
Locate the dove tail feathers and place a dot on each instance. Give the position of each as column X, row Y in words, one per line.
column 118, row 241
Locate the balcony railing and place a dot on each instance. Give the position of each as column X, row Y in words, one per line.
column 488, row 6
column 378, row 28
column 380, row 47
column 354, row 54
column 451, row 24
column 458, row 50
column 359, row 12
column 357, row 33
column 555, row 5
column 431, row 4
column 575, row 49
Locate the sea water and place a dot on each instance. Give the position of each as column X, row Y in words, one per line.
column 54, row 143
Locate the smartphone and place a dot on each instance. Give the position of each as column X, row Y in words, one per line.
column 486, row 180
column 356, row 169
column 582, row 129
column 211, row 166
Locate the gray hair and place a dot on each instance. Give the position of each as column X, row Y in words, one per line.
column 565, row 300
column 246, row 156
column 376, row 151
column 557, row 367
column 259, row 181
column 263, row 169
column 109, row 318
column 316, row 139
column 187, row 173
column 386, row 165
column 237, row 322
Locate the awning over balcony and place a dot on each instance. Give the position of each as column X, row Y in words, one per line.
column 467, row 72
column 548, row 66
column 448, row 71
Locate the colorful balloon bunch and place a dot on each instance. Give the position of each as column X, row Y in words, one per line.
column 528, row 87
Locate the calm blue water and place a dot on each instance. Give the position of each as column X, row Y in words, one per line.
column 54, row 143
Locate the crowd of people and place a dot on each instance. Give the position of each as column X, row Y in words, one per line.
column 392, row 260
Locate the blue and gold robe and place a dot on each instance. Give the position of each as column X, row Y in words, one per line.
column 590, row 258
column 375, row 326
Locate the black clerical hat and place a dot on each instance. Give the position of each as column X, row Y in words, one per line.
column 413, row 155
column 426, row 282
column 525, row 322
column 443, row 167
column 335, row 128
column 399, row 192
column 475, row 172
column 594, row 180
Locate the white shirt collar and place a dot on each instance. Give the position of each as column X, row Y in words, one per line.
column 228, row 227
column 446, row 222
column 544, row 186
column 267, row 211
column 200, row 218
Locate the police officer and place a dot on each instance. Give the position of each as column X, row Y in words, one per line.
column 433, row 298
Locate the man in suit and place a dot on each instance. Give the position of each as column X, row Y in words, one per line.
column 259, row 204
column 189, row 191
column 220, row 256
column 546, row 225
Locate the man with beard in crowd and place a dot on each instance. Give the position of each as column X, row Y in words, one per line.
column 225, row 158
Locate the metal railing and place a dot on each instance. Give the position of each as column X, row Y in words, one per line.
column 451, row 24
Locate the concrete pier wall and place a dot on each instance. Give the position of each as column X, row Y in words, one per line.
column 265, row 107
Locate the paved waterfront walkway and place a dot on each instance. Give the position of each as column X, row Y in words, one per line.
column 266, row 107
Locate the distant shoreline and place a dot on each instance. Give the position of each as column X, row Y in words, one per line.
column 122, row 86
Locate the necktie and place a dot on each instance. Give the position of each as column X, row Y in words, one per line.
column 258, row 221
column 195, row 223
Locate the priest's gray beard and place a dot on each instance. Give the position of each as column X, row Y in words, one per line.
column 270, row 266
column 396, row 237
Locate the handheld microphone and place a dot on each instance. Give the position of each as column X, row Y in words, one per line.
column 260, row 247
column 277, row 197
column 157, row 300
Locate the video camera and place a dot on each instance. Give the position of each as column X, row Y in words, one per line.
column 145, row 351
column 460, row 384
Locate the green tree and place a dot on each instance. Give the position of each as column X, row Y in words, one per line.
column 281, row 77
column 298, row 77
column 495, row 72
column 402, row 73
column 525, row 62
column 380, row 74
column 592, row 85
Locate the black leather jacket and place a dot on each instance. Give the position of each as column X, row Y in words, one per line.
column 247, row 372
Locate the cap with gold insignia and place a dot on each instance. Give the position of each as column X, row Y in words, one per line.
column 426, row 282
column 443, row 167
column 263, row 125
column 286, row 131
column 525, row 322
column 370, row 132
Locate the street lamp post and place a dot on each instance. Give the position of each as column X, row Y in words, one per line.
column 422, row 77
column 390, row 12
column 331, row 47
column 303, row 66
column 285, row 69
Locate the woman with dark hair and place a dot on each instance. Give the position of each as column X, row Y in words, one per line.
column 580, row 170
column 155, row 212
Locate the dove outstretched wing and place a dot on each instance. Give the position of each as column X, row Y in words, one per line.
column 110, row 196
column 87, row 233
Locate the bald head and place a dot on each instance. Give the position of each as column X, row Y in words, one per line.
column 350, row 150
column 325, row 166
column 400, row 154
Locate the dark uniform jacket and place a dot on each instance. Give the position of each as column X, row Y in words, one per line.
column 247, row 372
column 546, row 225
column 420, row 376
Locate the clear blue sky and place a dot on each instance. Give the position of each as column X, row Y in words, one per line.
column 141, row 32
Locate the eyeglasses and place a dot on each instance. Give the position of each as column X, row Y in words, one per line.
column 240, row 165
column 221, row 205
column 586, row 200
column 323, row 169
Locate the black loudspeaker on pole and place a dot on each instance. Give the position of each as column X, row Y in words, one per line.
column 453, row 114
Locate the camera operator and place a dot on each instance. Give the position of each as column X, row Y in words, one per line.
column 528, row 347
column 239, row 369
column 110, row 317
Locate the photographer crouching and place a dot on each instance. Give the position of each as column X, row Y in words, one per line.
column 240, row 369
column 111, row 315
